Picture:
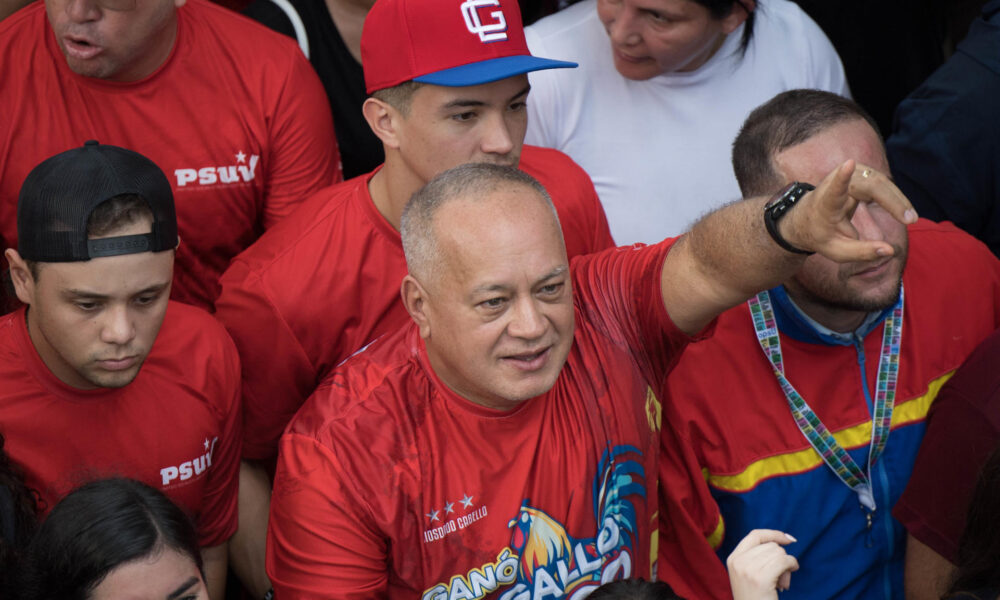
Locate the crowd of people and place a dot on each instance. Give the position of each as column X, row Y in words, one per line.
column 408, row 300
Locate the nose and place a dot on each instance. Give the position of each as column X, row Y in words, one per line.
column 497, row 138
column 81, row 11
column 118, row 327
column 527, row 321
column 622, row 28
column 864, row 222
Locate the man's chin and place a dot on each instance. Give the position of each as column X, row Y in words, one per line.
column 539, row 385
column 876, row 302
column 93, row 68
column 113, row 379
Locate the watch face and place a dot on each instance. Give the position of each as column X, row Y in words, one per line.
column 780, row 204
column 788, row 196
column 780, row 197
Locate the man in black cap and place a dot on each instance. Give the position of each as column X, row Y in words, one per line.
column 231, row 111
column 84, row 391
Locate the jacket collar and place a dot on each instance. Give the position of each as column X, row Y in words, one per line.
column 801, row 327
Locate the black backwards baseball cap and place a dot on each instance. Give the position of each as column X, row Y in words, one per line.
column 59, row 195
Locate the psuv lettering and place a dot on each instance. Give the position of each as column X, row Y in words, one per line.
column 188, row 469
column 214, row 175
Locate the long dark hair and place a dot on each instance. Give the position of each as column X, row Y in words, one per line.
column 979, row 547
column 634, row 589
column 720, row 9
column 96, row 528
column 17, row 519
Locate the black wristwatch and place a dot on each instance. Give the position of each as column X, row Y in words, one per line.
column 778, row 206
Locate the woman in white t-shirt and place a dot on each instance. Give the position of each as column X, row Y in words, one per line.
column 662, row 89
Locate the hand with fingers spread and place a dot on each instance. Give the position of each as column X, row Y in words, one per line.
column 823, row 221
column 759, row 567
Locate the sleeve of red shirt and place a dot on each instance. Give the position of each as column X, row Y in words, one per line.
column 217, row 519
column 963, row 427
column 304, row 156
column 619, row 291
column 691, row 526
column 277, row 374
column 320, row 542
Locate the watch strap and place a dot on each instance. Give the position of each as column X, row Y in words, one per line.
column 778, row 207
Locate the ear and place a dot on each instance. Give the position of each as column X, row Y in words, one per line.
column 415, row 300
column 384, row 121
column 20, row 276
column 741, row 10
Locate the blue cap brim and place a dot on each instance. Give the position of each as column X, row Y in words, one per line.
column 493, row 69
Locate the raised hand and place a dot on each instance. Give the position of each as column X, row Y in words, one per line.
column 821, row 221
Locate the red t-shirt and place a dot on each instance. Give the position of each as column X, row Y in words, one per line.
column 235, row 117
column 391, row 485
column 176, row 427
column 326, row 282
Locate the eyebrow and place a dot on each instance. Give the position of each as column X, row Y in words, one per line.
column 465, row 103
column 183, row 588
column 498, row 287
column 523, row 92
column 74, row 293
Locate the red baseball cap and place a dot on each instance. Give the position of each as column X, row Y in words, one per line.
column 453, row 43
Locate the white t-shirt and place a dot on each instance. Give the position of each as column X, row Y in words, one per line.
column 659, row 151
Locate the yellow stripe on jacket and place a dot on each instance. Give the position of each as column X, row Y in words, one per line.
column 911, row 411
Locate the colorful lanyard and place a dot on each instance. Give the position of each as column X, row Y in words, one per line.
column 809, row 424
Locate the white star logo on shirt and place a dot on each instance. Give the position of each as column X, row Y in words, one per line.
column 434, row 516
column 240, row 157
column 206, row 444
column 448, row 508
column 467, row 501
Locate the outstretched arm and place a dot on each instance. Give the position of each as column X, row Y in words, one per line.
column 728, row 256
column 759, row 566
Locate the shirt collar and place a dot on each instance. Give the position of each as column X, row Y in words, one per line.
column 796, row 324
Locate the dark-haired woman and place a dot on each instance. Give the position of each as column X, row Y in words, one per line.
column 114, row 539
column 634, row 589
column 17, row 520
column 662, row 89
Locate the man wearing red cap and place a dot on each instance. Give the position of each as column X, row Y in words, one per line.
column 232, row 113
column 452, row 93
column 449, row 87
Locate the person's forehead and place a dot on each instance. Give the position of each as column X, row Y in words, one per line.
column 676, row 8
column 502, row 90
column 482, row 209
column 816, row 157
column 111, row 276
column 160, row 574
column 514, row 231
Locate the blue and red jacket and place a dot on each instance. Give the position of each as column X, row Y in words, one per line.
column 733, row 459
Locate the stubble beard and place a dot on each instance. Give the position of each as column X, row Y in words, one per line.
column 839, row 297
